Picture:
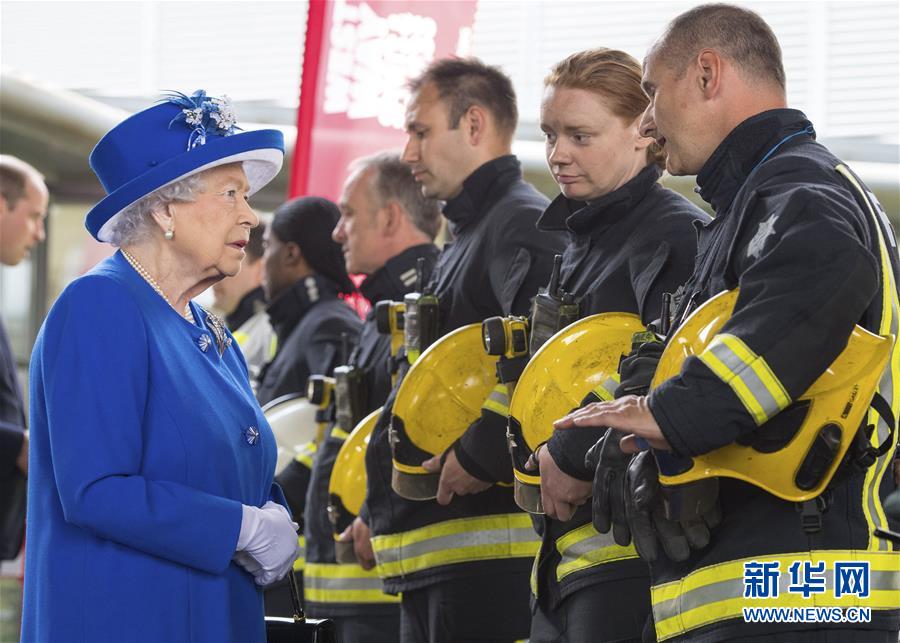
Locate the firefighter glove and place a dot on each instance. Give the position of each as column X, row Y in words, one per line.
column 637, row 369
column 652, row 531
column 608, row 505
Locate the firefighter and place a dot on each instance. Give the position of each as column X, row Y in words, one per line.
column 462, row 562
column 632, row 241
column 386, row 226
column 304, row 280
column 812, row 254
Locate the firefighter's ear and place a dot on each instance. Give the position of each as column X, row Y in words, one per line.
column 708, row 69
column 475, row 123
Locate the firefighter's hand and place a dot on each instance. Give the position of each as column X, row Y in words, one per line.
column 358, row 532
column 561, row 494
column 454, row 479
column 630, row 414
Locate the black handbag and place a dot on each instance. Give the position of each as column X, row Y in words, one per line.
column 12, row 515
column 298, row 629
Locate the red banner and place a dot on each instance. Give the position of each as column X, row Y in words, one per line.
column 358, row 58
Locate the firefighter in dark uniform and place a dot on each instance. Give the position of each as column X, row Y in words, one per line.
column 812, row 254
column 631, row 241
column 386, row 226
column 464, row 574
column 305, row 276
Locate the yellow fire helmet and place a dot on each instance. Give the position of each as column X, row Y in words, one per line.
column 347, row 486
column 438, row 399
column 578, row 364
column 795, row 454
column 293, row 421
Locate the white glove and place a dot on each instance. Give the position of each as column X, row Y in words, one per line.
column 267, row 544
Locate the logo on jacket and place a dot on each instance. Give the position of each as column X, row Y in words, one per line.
column 763, row 232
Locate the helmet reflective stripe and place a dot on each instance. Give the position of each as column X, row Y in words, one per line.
column 748, row 375
column 715, row 593
column 343, row 583
column 456, row 541
column 585, row 547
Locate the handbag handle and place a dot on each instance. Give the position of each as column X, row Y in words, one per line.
column 299, row 616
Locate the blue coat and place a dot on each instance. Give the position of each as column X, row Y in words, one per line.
column 140, row 461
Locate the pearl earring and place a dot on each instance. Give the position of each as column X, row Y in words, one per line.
column 170, row 234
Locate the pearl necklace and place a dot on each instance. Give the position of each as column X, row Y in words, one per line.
column 187, row 314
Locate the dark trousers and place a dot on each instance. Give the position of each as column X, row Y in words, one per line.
column 480, row 609
column 603, row 613
column 368, row 628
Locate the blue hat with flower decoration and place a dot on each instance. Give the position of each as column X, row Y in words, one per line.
column 180, row 136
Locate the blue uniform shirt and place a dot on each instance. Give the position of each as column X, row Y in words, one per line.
column 144, row 446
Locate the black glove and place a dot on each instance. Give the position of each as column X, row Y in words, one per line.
column 608, row 504
column 637, row 368
column 651, row 529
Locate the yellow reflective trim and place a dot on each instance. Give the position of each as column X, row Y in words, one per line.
column 715, row 593
column 533, row 579
column 273, row 347
column 607, row 390
column 498, row 400
column 748, row 375
column 343, row 583
column 497, row 536
column 299, row 562
column 760, row 367
column 348, row 595
column 339, row 433
column 585, row 547
column 240, row 337
column 888, row 386
column 306, row 454
column 736, row 384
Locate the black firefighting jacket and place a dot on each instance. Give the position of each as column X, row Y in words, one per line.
column 805, row 249
column 328, row 585
column 494, row 264
column 626, row 249
column 309, row 320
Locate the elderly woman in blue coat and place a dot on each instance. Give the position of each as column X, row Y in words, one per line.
column 152, row 515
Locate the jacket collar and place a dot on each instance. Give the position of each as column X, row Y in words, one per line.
column 248, row 306
column 290, row 307
column 481, row 189
column 398, row 275
column 743, row 150
column 586, row 218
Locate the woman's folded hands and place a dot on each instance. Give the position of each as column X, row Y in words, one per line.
column 267, row 544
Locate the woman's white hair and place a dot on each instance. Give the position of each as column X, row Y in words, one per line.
column 135, row 222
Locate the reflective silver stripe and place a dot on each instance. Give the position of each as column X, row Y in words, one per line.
column 409, row 277
column 584, row 547
column 489, row 537
column 498, row 400
column 323, row 582
column 763, row 395
column 607, row 390
column 453, row 541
